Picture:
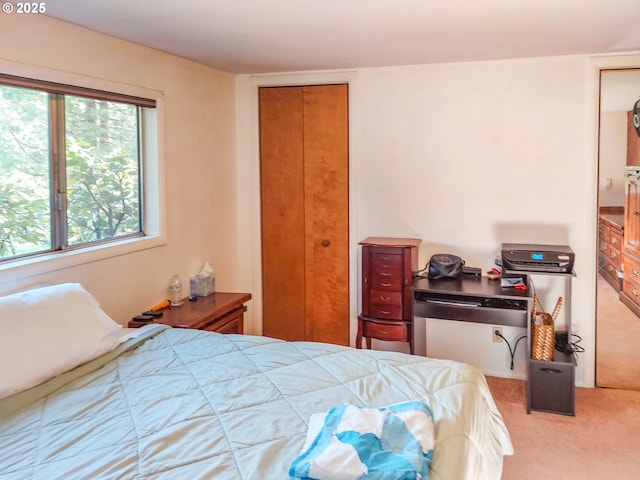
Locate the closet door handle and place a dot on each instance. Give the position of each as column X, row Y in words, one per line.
column 326, row 243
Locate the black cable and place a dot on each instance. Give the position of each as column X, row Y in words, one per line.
column 562, row 344
column 515, row 346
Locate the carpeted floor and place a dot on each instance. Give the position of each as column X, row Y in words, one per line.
column 601, row 442
column 617, row 339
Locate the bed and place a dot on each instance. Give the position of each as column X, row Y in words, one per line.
column 163, row 403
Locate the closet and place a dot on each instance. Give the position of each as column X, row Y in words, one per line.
column 304, row 168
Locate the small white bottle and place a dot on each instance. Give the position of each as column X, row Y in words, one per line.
column 175, row 291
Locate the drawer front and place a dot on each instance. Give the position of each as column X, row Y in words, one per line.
column 609, row 272
column 386, row 271
column 631, row 269
column 381, row 297
column 386, row 261
column 390, row 312
column 386, row 282
column 631, row 278
column 603, row 248
column 552, row 387
column 615, row 239
column 234, row 326
column 383, row 331
column 632, row 290
column 609, row 267
column 603, row 259
column 604, row 231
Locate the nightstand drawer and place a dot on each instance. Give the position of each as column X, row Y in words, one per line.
column 386, row 331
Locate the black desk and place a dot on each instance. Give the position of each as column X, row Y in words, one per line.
column 468, row 299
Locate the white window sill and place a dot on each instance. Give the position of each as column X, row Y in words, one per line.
column 42, row 264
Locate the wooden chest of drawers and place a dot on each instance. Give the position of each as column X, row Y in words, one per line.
column 387, row 276
column 630, row 294
column 609, row 253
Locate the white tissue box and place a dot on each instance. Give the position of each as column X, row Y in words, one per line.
column 202, row 285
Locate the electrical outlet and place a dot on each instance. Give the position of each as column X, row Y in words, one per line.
column 494, row 334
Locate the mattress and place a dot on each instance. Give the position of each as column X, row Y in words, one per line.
column 189, row 404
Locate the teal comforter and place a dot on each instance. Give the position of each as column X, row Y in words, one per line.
column 188, row 404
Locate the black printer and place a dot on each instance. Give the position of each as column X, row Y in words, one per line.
column 537, row 258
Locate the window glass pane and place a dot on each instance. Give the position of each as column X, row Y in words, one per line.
column 25, row 220
column 103, row 176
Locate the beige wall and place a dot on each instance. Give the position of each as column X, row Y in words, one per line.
column 198, row 159
column 613, row 158
column 465, row 156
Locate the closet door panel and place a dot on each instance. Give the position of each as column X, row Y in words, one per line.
column 326, row 187
column 283, row 217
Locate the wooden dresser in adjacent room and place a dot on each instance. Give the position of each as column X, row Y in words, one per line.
column 630, row 294
column 388, row 265
column 611, row 230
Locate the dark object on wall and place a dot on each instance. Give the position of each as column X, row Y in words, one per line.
column 636, row 117
column 445, row 265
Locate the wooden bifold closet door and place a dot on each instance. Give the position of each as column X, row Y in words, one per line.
column 304, row 167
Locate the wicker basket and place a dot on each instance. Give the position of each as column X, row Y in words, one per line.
column 543, row 331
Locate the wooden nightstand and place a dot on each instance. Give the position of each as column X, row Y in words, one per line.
column 219, row 312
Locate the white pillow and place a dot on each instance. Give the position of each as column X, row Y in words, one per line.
column 49, row 330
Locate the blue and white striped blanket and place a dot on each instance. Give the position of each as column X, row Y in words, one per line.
column 357, row 443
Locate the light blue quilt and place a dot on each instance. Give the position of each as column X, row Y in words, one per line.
column 187, row 404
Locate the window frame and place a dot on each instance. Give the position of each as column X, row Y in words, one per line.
column 152, row 214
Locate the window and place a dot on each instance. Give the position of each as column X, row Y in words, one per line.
column 71, row 169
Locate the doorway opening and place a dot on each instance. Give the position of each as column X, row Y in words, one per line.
column 617, row 325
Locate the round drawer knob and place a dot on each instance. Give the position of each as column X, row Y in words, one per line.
column 325, row 243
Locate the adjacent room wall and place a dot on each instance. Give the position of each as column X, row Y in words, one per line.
column 198, row 159
column 613, row 158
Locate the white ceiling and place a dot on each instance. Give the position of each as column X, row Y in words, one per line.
column 255, row 36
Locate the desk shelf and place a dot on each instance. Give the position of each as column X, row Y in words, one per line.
column 467, row 299
column 551, row 385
